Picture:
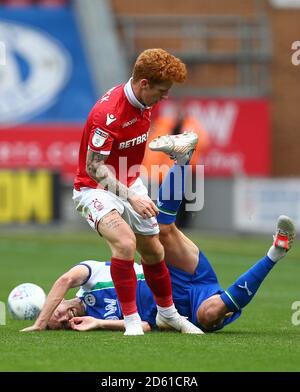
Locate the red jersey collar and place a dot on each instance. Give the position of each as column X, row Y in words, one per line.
column 132, row 98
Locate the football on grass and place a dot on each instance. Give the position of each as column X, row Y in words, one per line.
column 26, row 301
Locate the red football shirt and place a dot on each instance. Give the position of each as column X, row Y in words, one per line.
column 117, row 126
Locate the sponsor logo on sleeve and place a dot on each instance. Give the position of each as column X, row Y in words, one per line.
column 99, row 137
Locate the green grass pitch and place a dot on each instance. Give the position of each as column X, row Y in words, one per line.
column 263, row 339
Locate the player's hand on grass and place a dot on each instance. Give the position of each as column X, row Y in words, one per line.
column 32, row 328
column 85, row 323
column 143, row 205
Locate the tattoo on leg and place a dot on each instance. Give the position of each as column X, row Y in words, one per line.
column 112, row 221
column 113, row 224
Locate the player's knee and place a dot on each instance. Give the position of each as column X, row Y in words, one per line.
column 124, row 248
column 210, row 319
column 157, row 253
column 210, row 313
column 165, row 231
column 154, row 253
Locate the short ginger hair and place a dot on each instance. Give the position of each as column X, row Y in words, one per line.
column 157, row 66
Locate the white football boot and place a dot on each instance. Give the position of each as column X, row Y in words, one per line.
column 133, row 325
column 179, row 147
column 177, row 322
column 285, row 233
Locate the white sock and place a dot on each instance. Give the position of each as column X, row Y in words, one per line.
column 275, row 254
column 132, row 317
column 167, row 312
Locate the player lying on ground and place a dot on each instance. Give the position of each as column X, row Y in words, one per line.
column 196, row 291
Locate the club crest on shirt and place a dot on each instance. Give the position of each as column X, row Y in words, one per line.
column 90, row 299
column 99, row 137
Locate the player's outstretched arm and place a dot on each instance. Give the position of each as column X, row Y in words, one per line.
column 102, row 174
column 73, row 278
column 87, row 323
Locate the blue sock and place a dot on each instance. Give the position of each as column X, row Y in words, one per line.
column 245, row 287
column 170, row 194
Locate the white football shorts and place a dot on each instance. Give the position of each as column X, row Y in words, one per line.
column 94, row 204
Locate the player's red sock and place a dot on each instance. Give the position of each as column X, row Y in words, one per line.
column 158, row 279
column 124, row 278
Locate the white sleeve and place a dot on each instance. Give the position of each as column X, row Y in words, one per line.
column 94, row 268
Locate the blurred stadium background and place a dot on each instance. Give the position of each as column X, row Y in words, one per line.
column 242, row 96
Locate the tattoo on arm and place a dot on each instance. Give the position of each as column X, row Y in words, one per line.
column 93, row 161
column 101, row 173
